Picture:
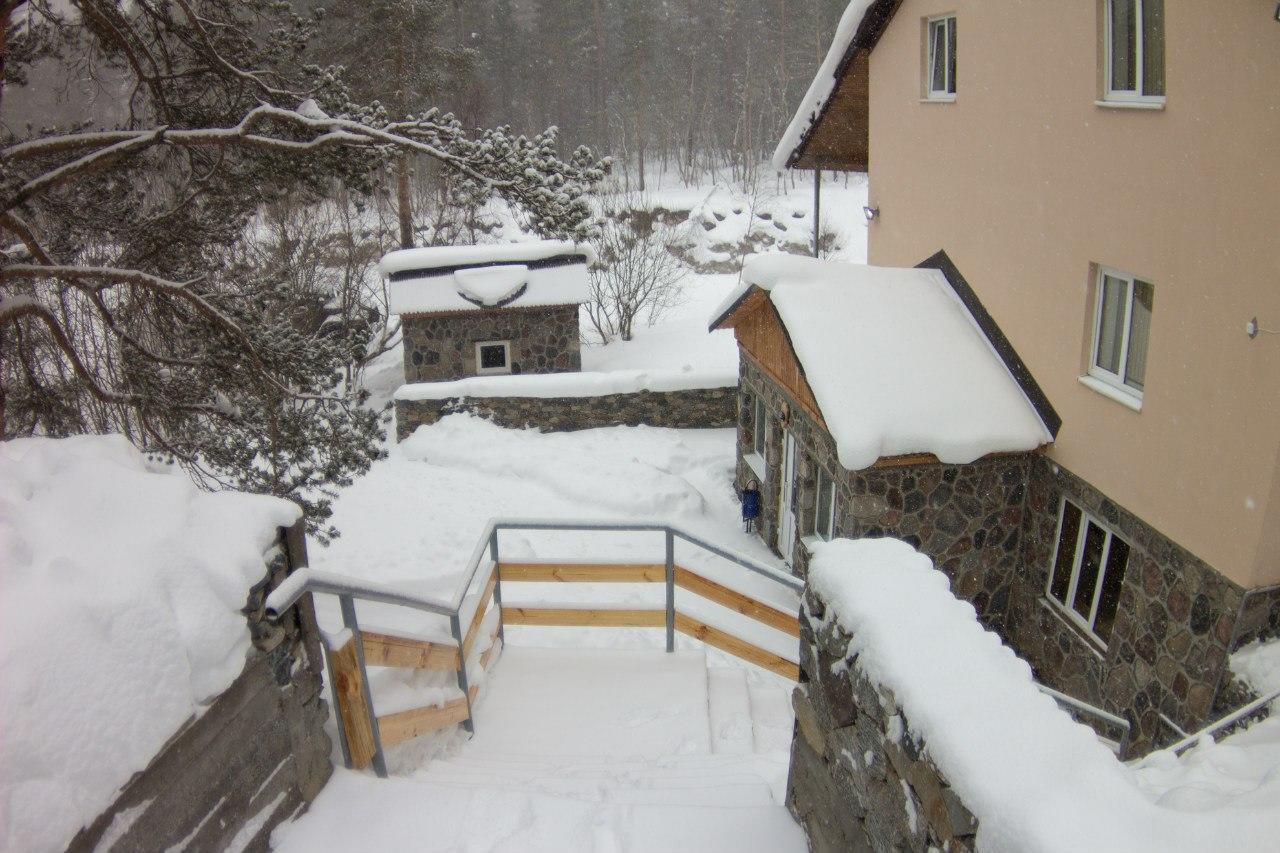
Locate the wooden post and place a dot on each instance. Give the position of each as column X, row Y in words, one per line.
column 817, row 210
column 351, row 694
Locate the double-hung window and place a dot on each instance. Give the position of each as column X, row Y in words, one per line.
column 941, row 68
column 1121, row 331
column 1133, row 45
column 824, row 511
column 1088, row 571
column 759, row 427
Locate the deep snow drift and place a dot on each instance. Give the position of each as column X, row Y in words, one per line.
column 1035, row 779
column 119, row 620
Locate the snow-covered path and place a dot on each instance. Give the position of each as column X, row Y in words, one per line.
column 584, row 750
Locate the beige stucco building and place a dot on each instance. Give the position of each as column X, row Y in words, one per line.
column 1106, row 176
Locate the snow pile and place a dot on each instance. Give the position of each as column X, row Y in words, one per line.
column 119, row 619
column 895, row 360
column 1258, row 666
column 491, row 285
column 1035, row 779
column 570, row 384
column 823, row 83
column 470, row 278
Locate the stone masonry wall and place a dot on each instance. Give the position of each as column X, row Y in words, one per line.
column 860, row 779
column 992, row 527
column 698, row 408
column 258, row 754
column 441, row 347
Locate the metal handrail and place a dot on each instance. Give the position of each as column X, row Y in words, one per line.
column 348, row 589
column 1092, row 711
column 1229, row 720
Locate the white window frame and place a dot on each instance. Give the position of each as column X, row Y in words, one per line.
column 759, row 426
column 1064, row 607
column 817, row 504
column 948, row 90
column 1115, row 381
column 1136, row 97
column 506, row 359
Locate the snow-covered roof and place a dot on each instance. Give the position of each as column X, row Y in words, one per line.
column 823, row 82
column 897, row 363
column 473, row 278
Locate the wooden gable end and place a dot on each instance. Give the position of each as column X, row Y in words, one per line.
column 839, row 139
column 765, row 341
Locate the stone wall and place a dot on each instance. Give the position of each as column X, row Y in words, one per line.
column 860, row 779
column 992, row 527
column 441, row 347
column 257, row 756
column 698, row 408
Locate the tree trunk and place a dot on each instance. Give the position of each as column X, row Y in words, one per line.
column 404, row 202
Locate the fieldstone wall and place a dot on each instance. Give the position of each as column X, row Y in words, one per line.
column 860, row 778
column 697, row 408
column 991, row 526
column 442, row 347
column 258, row 756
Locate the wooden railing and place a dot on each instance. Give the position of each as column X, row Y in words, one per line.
column 365, row 735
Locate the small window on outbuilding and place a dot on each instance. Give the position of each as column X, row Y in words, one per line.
column 493, row 357
column 1088, row 571
column 940, row 70
column 759, row 427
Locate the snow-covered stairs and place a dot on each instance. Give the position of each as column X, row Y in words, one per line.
column 729, row 711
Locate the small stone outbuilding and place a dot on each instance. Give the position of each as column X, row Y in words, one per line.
column 489, row 310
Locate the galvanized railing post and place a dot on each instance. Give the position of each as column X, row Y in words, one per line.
column 497, row 587
column 671, row 591
column 349, row 621
column 455, row 625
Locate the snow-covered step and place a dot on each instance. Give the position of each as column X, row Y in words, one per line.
column 771, row 717
column 729, row 710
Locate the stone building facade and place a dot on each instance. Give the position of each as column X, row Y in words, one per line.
column 992, row 526
column 441, row 347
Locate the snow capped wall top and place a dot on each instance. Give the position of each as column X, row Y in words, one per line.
column 823, row 83
column 896, row 362
column 1035, row 779
column 473, row 278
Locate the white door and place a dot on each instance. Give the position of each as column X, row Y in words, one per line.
column 787, row 498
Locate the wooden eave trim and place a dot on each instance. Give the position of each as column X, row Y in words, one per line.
column 930, row 459
column 782, row 386
column 749, row 300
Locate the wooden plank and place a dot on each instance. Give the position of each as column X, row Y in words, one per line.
column 734, row 646
column 583, row 572
column 351, row 691
column 737, row 602
column 389, row 650
column 406, row 725
column 573, row 617
column 485, row 597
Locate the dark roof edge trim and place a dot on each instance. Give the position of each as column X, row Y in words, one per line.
column 540, row 263
column 1012, row 361
column 728, row 312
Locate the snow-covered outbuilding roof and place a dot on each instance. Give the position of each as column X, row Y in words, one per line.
column 900, row 361
column 475, row 278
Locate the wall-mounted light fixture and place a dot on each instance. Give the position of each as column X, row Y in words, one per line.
column 870, row 212
column 1278, row 11
column 1252, row 328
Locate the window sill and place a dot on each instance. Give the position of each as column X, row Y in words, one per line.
column 1099, row 651
column 756, row 463
column 949, row 99
column 1153, row 104
column 811, row 541
column 1111, row 392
